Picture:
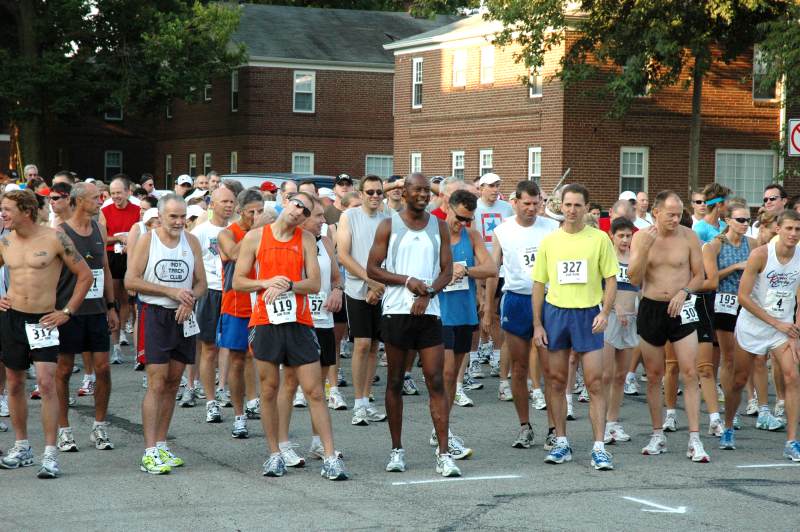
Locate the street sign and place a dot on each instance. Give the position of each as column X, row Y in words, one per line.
column 794, row 137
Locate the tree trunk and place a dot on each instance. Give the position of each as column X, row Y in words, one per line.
column 31, row 130
column 698, row 73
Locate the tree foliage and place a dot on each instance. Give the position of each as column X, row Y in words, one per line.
column 421, row 8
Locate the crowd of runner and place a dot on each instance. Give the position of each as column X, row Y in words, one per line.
column 251, row 299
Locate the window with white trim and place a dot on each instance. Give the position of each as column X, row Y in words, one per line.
column 379, row 165
column 487, row 65
column 168, row 166
column 305, row 83
column 234, row 90
column 535, row 164
column 114, row 114
column 746, row 171
column 112, row 163
column 460, row 68
column 416, row 162
column 206, row 163
column 302, row 163
column 234, row 162
column 760, row 92
column 416, row 83
column 458, row 164
column 535, row 83
column 486, row 158
column 169, row 111
column 192, row 164
column 633, row 168
column 207, row 92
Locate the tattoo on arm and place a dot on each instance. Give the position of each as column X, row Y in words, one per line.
column 4, row 241
column 69, row 248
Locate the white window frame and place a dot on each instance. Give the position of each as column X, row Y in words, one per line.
column 453, row 158
column 207, row 92
column 106, row 165
column 234, row 90
column 115, row 117
column 168, row 165
column 234, row 162
column 384, row 159
column 536, row 83
column 206, row 163
column 416, row 162
column 313, row 92
column 487, row 64
column 416, row 82
column 760, row 188
column 481, row 167
column 534, row 160
column 310, row 156
column 459, row 68
column 645, row 151
column 192, row 164
column 759, row 69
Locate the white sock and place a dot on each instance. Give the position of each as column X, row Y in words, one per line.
column 599, row 446
column 64, row 429
column 50, row 449
column 99, row 424
column 92, row 377
column 22, row 443
column 694, row 436
column 162, row 445
column 473, row 356
column 631, row 376
column 569, row 398
column 333, row 389
column 315, row 440
column 284, row 445
column 670, row 411
column 562, row 440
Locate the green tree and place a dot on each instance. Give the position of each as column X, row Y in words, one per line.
column 422, row 8
column 647, row 43
column 60, row 59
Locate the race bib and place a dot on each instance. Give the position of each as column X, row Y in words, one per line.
column 118, row 247
column 527, row 256
column 461, row 284
column 688, row 312
column 572, row 271
column 622, row 275
column 96, row 290
column 726, row 304
column 190, row 326
column 283, row 309
column 779, row 303
column 40, row 337
column 316, row 302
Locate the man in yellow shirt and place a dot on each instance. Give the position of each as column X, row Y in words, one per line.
column 575, row 261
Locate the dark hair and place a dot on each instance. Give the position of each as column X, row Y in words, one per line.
column 152, row 200
column 788, row 215
column 575, row 188
column 35, row 183
column 778, row 187
column 622, row 223
column 140, row 192
column 247, row 196
column 311, row 197
column 62, row 188
column 686, row 219
column 147, row 177
column 26, row 201
column 65, row 173
column 233, row 185
column 308, row 182
column 122, row 177
column 594, row 205
column 465, row 198
column 715, row 190
column 663, row 196
column 528, row 187
column 368, row 178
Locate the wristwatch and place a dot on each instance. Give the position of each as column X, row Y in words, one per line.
column 431, row 292
column 291, row 285
column 67, row 311
column 688, row 292
column 111, row 305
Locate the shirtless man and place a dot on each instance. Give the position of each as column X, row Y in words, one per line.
column 34, row 256
column 667, row 263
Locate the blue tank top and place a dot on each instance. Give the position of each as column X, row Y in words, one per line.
column 623, row 281
column 728, row 255
column 458, row 307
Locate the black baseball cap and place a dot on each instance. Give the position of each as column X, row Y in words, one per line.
column 343, row 177
column 393, row 178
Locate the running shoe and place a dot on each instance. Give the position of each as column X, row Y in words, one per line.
column 333, row 469
column 537, row 399
column 336, row 401
column 299, row 399
column 715, row 428
column 728, row 439
column 579, row 384
column 290, row 457
column 187, row 398
column 169, row 458
column 720, row 394
column 382, row 362
column 199, row 391
column 397, row 461
column 345, row 348
column 791, row 450
column 780, row 408
column 213, row 413
column 670, row 423
column 32, row 372
column 17, row 456
column 376, row 379
column 570, row 409
column 87, row 387
column 409, row 386
column 360, row 417
column 151, row 463
column 766, row 421
column 129, row 326
column 434, row 441
column 49, row 467
column 559, row 454
column 602, row 460
column 274, row 466
column 697, row 453
column 446, row 466
column 239, row 430
column 373, row 415
column 179, row 393
column 253, row 409
column 76, row 369
column 608, row 438
column 631, row 387
column 494, row 369
column 643, row 378
column 35, row 394
column 504, row 391
column 223, row 397
column 619, row 433
column 65, row 441
column 3, row 428
column 485, row 352
column 456, row 448
column 4, row 412
column 341, row 382
column 72, row 401
column 461, row 398
column 656, row 445
column 475, row 370
column 524, row 437
column 123, row 338
column 737, row 422
column 549, row 441
column 471, row 384
column 583, row 397
column 116, row 354
column 138, row 366
column 99, row 436
column 752, row 407
column 317, row 451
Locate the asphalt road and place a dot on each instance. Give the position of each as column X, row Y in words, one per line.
column 221, row 487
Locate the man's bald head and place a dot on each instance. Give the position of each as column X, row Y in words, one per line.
column 222, row 192
column 622, row 209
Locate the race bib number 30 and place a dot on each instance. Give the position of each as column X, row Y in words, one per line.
column 96, row 290
column 688, row 312
column 40, row 337
column 283, row 309
column 726, row 304
column 779, row 303
column 190, row 326
column 572, row 271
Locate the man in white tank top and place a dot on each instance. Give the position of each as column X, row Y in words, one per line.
column 768, row 323
column 411, row 256
column 167, row 272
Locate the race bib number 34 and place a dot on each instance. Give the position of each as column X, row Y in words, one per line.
column 283, row 309
column 688, row 312
column 572, row 271
column 40, row 337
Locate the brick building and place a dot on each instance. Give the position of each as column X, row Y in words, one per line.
column 461, row 108
column 314, row 97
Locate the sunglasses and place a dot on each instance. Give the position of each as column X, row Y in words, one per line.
column 742, row 220
column 698, row 201
column 57, row 197
column 376, row 192
column 465, row 219
column 771, row 198
column 300, row 204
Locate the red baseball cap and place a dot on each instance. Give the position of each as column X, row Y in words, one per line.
column 268, row 186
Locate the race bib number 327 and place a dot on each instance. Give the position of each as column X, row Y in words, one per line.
column 572, row 271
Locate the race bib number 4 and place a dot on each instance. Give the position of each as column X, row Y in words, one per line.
column 779, row 303
column 190, row 326
column 461, row 284
column 283, row 309
column 96, row 290
column 688, row 312
column 40, row 337
column 316, row 302
column 572, row 271
column 726, row 304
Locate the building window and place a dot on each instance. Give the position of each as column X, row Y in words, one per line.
column 206, row 163
column 207, row 92
column 486, row 161
column 302, row 163
column 380, row 165
column 168, row 166
column 416, row 83
column 760, row 91
column 305, row 82
column 192, row 164
column 114, row 115
column 169, row 111
column 458, row 164
column 535, row 83
column 746, row 171
column 416, row 162
column 633, row 162
column 487, row 65
column 535, row 164
column 112, row 163
column 234, row 162
column 460, row 68
column 234, row 91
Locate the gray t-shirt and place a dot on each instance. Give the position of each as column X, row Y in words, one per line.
column 488, row 217
column 362, row 230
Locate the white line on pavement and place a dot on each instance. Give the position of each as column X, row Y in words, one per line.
column 661, row 509
column 456, row 479
column 754, row 466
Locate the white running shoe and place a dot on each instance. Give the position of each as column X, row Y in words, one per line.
column 99, row 436
column 123, row 339
column 619, row 433
column 397, row 461
column 373, row 415
column 583, row 397
column 504, row 391
column 457, row 449
column 66, row 441
column 475, row 370
column 631, row 387
column 446, row 466
column 291, row 458
column 299, row 402
column 336, row 401
column 570, row 409
column 537, row 399
column 697, row 453
column 670, row 423
column 780, row 409
column 752, row 407
column 461, row 398
column 4, row 412
column 129, row 326
column 657, row 445
column 494, row 369
column 715, row 428
column 87, row 386
column 720, row 394
column 213, row 412
column 116, row 355
column 360, row 417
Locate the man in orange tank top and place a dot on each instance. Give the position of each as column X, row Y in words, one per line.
column 286, row 270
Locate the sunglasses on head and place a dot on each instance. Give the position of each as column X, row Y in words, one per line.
column 742, row 220
column 771, row 198
column 298, row 203
column 465, row 219
column 375, row 192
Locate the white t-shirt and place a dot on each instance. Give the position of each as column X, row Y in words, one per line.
column 487, row 218
column 520, row 245
column 207, row 234
column 643, row 223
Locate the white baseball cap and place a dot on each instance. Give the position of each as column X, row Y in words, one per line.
column 325, row 192
column 194, row 210
column 488, row 179
column 198, row 193
column 628, row 195
column 11, row 187
column 149, row 214
column 184, row 179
